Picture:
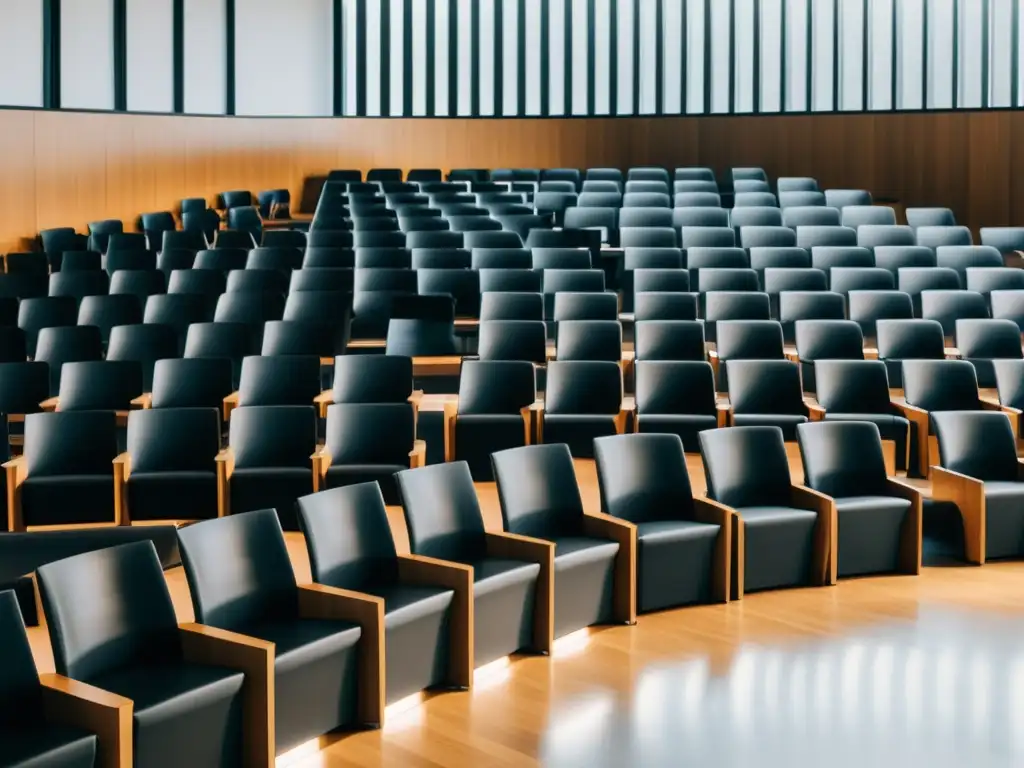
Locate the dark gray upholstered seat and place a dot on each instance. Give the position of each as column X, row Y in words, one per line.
column 766, row 392
column 583, row 400
column 675, row 397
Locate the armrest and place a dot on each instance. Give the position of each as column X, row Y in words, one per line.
column 109, row 716
column 17, row 471
column 538, row 420
column 418, row 569
column 225, row 463
column 418, row 454
column 826, row 533
column 515, row 547
column 415, row 399
column 707, row 510
column 122, row 470
column 621, row 419
column 815, row 411
column 451, row 413
column 724, row 413
column 968, row 493
column 911, row 536
column 201, row 644
column 322, row 401
column 321, row 459
column 1013, row 414
column 604, row 526
column 919, row 418
column 230, row 403
column 317, row 601
column 50, row 404
column 143, row 401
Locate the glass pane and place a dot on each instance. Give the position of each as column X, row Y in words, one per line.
column 744, row 66
column 721, row 72
column 510, row 67
column 21, row 54
column 824, row 74
column 648, row 57
column 851, row 55
column 625, row 60
column 397, row 63
column 910, row 53
column 441, row 58
column 1001, row 36
column 971, row 53
column 486, row 56
column 694, row 73
column 532, row 33
column 556, row 63
column 87, row 54
column 465, row 74
column 370, row 58
column 796, row 55
column 419, row 57
column 150, row 54
column 880, row 55
column 579, row 57
column 940, row 60
column 673, row 45
column 771, row 55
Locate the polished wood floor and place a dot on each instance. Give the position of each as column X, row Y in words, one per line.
column 892, row 671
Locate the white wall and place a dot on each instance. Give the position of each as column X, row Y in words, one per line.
column 150, row 54
column 205, row 72
column 21, row 54
column 87, row 54
column 283, row 57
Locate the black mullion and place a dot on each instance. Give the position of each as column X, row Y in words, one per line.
column 120, row 8
column 659, row 58
column 865, row 42
column 499, row 57
column 757, row 57
column 385, row 58
column 924, row 53
column 567, row 56
column 894, row 51
column 591, row 47
column 1014, row 53
column 545, row 55
column 229, row 57
column 178, row 46
column 453, row 59
column 684, row 33
column 51, row 54
column 337, row 59
column 520, row 58
column 613, row 58
column 985, row 21
column 809, row 74
column 783, row 55
column 407, row 59
column 732, row 56
column 636, row 57
column 707, row 57
column 362, row 57
column 956, row 54
column 430, row 66
column 835, row 55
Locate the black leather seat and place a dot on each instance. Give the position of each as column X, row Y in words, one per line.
column 328, row 312
column 177, row 311
column 282, row 380
column 68, row 471
column 66, row 344
column 185, row 711
column 978, row 470
column 104, row 312
column 100, row 385
column 143, row 344
column 267, row 463
column 326, row 645
column 858, row 390
column 29, row 736
column 171, row 472
column 589, row 340
column 595, row 557
column 664, row 305
column 251, row 309
column 582, row 400
column 982, row 342
column 422, row 326
column 676, row 398
column 510, row 599
column 807, row 305
column 229, row 341
column 900, row 340
column 879, row 519
column 492, row 413
column 786, row 530
column 766, row 393
column 191, row 383
column 372, row 379
column 668, row 340
column 826, row 340
column 684, row 544
column 745, row 340
column 513, row 340
column 426, row 605
column 733, row 305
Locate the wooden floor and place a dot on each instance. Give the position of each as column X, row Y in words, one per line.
column 900, row 671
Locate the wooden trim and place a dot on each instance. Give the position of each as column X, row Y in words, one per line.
column 419, row 569
column 515, row 547
column 324, row 400
column 122, row 470
column 321, row 463
column 317, row 601
column 143, row 402
column 17, row 473
column 73, row 703
column 814, row 411
column 707, row 511
column 225, row 464
column 918, row 418
column 826, row 533
column 603, row 526
column 202, row 644
column 911, row 535
column 451, row 415
column 968, row 494
column 230, row 403
column 418, row 454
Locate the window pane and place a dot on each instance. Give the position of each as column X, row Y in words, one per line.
column 880, row 53
column 419, row 57
column 486, row 56
column 771, row 55
column 441, row 43
column 397, row 63
column 1001, row 35
column 648, row 57
column 511, row 63
column 796, row 55
column 971, row 53
column 910, row 53
column 851, row 55
column 625, row 61
column 87, row 54
column 579, row 57
column 21, row 54
column 150, row 55
column 673, row 46
column 556, row 63
column 721, row 72
column 940, row 60
column 532, row 70
column 694, row 73
column 824, row 74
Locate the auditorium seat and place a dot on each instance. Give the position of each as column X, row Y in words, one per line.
column 501, row 305
column 105, row 312
column 934, row 237
column 664, row 305
column 513, row 340
column 930, row 217
column 766, row 393
column 143, row 344
column 875, row 235
column 675, row 397
column 583, row 400
column 745, row 340
column 668, row 340
column 67, row 344
column 908, row 339
column 720, row 306
column 981, row 342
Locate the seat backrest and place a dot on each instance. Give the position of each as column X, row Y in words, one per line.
column 499, row 258
column 763, row 237
column 828, row 257
column 442, row 512
column 174, row 439
column 643, row 477
column 105, row 312
column 669, row 340
column 191, row 382
column 948, row 307
column 979, row 444
column 825, row 237
column 496, row 387
column 283, row 380
column 222, row 258
column 700, row 217
column 255, row 280
column 537, row 490
column 20, row 694
column 749, row 340
column 988, row 339
column 787, row 257
column 756, row 200
column 909, row 339
column 930, row 217
column 370, row 433
column 984, row 280
column 249, row 308
column 205, row 282
column 572, row 305
column 810, row 216
column 829, row 340
column 100, row 385
column 842, row 458
column 746, row 466
column 561, row 258
column 765, row 387
column 852, row 386
column 846, row 280
column 78, row 284
column 841, row 198
column 144, row 344
column 940, row 385
column 961, row 257
column 70, row 443
column 664, row 305
column 1009, row 375
column 583, row 388
column 707, row 237
column 858, row 215
column 66, row 344
column 896, row 257
column 229, row 592
column 874, row 235
column 934, row 237
column 652, row 280
column 108, row 610
column 776, row 280
column 348, row 538
column 648, row 237
column 509, row 280
column 589, row 340
column 503, row 305
column 1008, row 305
column 23, row 386
column 265, row 436
column 372, row 379
column 675, row 387
column 809, row 305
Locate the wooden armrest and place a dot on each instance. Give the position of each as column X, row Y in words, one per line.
column 621, row 419
column 201, row 644
column 225, row 463
column 623, row 532
column 322, row 401
column 724, row 413
column 826, row 533
column 16, row 472
column 710, row 511
column 527, row 414
column 317, row 601
column 538, row 421
column 321, row 459
column 418, row 569
column 50, row 404
column 418, row 454
column 1013, row 414
column 512, row 546
column 968, row 493
column 912, row 533
column 919, row 418
column 451, row 414
column 143, row 401
column 230, row 403
column 707, row 510
column 815, row 411
column 72, row 703
column 122, row 471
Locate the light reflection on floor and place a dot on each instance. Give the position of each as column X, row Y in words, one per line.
column 946, row 690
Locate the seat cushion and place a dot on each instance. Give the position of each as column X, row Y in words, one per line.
column 870, row 530
column 492, row 573
column 172, row 495
column 778, row 546
column 477, row 437
column 786, row 422
column 405, row 603
column 303, row 641
column 1004, row 519
column 572, row 551
column 578, row 432
column 185, row 714
column 38, row 744
column 68, row 500
column 675, row 562
column 338, row 476
column 275, row 488
column 890, row 427
column 687, row 427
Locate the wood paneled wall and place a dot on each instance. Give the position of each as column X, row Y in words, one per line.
column 66, row 169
